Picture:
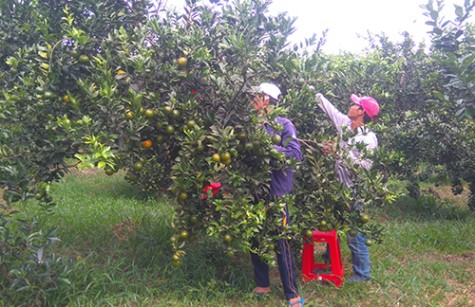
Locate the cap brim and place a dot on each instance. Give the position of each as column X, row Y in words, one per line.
column 355, row 99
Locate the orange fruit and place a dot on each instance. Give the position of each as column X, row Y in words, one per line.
column 147, row 144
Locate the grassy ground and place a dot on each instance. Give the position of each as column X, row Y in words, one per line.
column 120, row 241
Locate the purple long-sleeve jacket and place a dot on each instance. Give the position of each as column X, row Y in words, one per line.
column 281, row 180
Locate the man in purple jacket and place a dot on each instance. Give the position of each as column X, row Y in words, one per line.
column 280, row 185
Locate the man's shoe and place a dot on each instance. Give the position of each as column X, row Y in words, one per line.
column 358, row 278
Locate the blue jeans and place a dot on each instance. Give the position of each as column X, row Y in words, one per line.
column 359, row 255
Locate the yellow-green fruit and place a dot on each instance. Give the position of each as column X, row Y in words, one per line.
column 200, row 147
column 109, row 171
column 48, row 95
column 168, row 110
column 149, row 113
column 129, row 115
column 225, row 156
column 241, row 136
column 182, row 61
column 160, row 139
column 176, row 114
column 216, row 158
column 295, row 63
column 138, row 166
column 83, row 59
column 191, row 124
column 322, row 225
column 182, row 196
column 276, row 139
column 228, row 238
column 364, row 218
column 184, row 235
column 169, row 129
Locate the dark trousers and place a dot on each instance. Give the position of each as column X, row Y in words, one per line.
column 285, row 261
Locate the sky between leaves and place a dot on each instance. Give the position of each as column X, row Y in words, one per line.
column 348, row 21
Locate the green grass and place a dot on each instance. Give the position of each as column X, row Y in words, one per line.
column 121, row 242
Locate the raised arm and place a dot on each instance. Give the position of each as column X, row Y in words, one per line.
column 337, row 118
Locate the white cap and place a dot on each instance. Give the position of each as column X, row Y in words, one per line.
column 270, row 89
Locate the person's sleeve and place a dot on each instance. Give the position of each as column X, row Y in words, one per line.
column 337, row 118
column 290, row 144
column 357, row 158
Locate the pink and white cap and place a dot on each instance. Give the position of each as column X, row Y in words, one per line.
column 369, row 104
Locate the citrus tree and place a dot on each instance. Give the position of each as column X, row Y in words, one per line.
column 439, row 120
column 450, row 123
column 167, row 99
column 46, row 54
